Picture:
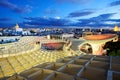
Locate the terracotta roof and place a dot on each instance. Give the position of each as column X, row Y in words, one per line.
column 99, row 37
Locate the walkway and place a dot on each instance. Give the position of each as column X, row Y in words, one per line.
column 76, row 43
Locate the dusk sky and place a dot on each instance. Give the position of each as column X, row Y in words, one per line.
column 36, row 13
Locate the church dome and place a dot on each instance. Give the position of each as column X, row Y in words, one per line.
column 116, row 28
column 17, row 26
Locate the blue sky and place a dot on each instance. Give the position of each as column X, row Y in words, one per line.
column 34, row 13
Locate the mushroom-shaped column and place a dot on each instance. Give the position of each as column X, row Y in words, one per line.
column 97, row 42
column 97, row 48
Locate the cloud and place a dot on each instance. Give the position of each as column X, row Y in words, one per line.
column 74, row 1
column 6, row 25
column 113, row 20
column 100, row 20
column 45, row 21
column 57, row 17
column 103, row 16
column 5, row 19
column 27, row 8
column 80, row 13
column 50, row 11
column 14, row 7
column 92, row 24
column 115, row 3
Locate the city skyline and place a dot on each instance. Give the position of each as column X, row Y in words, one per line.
column 36, row 13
